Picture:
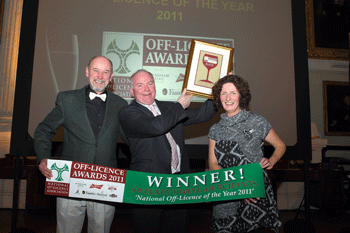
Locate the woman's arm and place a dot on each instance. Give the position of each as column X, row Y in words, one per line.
column 213, row 162
column 279, row 146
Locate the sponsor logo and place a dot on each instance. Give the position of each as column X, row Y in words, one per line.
column 80, row 184
column 102, row 195
column 90, row 193
column 112, row 188
column 180, row 78
column 96, row 186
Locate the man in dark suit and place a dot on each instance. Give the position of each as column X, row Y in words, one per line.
column 155, row 133
column 89, row 117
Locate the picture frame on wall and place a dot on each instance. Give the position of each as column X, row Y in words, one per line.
column 327, row 28
column 336, row 105
column 207, row 63
column 2, row 3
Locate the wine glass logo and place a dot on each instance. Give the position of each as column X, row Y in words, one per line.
column 63, row 58
column 210, row 62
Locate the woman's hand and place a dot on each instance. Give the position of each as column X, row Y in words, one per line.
column 265, row 163
column 254, row 200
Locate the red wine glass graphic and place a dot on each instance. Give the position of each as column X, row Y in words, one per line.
column 209, row 61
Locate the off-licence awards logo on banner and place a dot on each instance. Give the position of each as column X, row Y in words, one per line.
column 81, row 180
column 165, row 56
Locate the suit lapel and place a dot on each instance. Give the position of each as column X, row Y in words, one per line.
column 81, row 112
column 162, row 106
column 142, row 108
column 111, row 108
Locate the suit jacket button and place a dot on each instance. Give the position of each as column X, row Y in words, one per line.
column 96, row 144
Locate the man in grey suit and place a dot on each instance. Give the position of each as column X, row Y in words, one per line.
column 89, row 117
column 156, row 136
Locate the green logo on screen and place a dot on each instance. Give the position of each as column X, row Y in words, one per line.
column 123, row 55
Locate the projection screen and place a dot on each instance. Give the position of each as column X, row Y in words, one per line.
column 156, row 35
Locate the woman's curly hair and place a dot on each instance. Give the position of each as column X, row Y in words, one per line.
column 241, row 85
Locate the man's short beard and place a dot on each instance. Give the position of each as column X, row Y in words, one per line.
column 99, row 89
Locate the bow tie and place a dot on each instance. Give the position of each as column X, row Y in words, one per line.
column 92, row 96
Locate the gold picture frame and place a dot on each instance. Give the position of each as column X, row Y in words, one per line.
column 323, row 30
column 336, row 106
column 2, row 3
column 207, row 63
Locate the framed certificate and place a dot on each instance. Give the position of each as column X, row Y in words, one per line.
column 207, row 63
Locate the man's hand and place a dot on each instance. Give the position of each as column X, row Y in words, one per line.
column 44, row 170
column 184, row 99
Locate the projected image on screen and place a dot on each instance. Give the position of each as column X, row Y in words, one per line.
column 165, row 56
column 63, row 60
column 156, row 36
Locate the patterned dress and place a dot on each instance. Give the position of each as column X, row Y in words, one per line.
column 239, row 140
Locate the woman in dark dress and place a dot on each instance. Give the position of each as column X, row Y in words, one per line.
column 235, row 140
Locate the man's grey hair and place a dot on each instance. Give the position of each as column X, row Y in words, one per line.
column 138, row 72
